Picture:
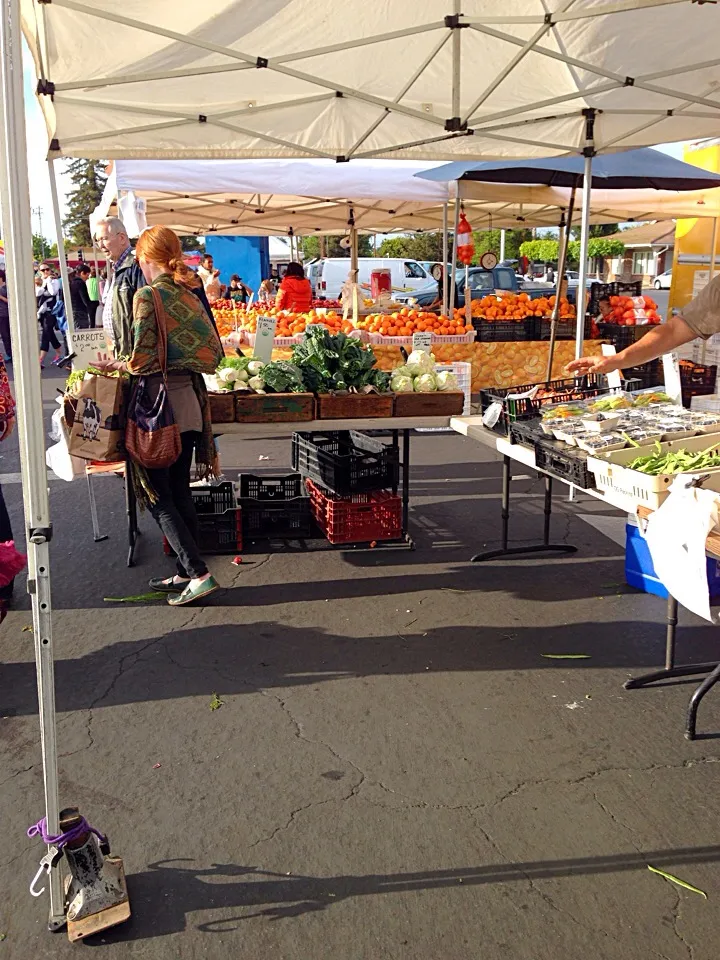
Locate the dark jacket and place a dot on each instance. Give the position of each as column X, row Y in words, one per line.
column 128, row 280
column 81, row 303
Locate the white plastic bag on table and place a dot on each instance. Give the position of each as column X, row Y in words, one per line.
column 676, row 535
column 57, row 457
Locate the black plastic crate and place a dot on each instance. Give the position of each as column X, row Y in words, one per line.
column 346, row 461
column 649, row 374
column 277, row 519
column 286, row 487
column 695, row 390
column 526, row 431
column 217, row 533
column 507, row 331
column 625, row 288
column 565, row 329
column 622, row 336
column 214, row 498
column 554, row 391
column 563, row 461
column 600, row 290
column 697, row 374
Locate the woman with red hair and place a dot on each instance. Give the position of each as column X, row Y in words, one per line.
column 193, row 348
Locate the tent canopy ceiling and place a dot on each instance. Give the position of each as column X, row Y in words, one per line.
column 258, row 78
column 202, row 197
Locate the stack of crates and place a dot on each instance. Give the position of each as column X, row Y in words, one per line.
column 274, row 508
column 347, row 476
column 219, row 518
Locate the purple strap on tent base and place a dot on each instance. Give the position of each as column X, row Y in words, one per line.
column 61, row 839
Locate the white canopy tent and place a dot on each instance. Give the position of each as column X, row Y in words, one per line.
column 427, row 80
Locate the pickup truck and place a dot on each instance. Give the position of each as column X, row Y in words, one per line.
column 482, row 282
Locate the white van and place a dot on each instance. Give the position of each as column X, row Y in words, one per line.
column 406, row 275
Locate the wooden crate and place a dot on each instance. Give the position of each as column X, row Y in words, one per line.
column 442, row 403
column 360, row 406
column 222, row 407
column 273, row 407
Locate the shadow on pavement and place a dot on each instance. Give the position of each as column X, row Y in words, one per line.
column 242, row 658
column 166, row 894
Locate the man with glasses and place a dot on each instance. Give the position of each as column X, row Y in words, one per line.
column 124, row 279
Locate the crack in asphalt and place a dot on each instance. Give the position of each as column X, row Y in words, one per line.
column 677, row 920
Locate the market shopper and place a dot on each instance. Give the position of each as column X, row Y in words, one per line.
column 7, row 425
column 93, row 289
column 238, row 291
column 193, row 348
column 699, row 318
column 48, row 295
column 5, row 318
column 124, row 280
column 295, row 292
column 82, row 305
column 210, row 278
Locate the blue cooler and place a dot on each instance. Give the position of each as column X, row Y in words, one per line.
column 639, row 570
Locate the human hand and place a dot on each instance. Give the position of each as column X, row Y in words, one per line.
column 593, row 365
column 108, row 366
column 7, row 428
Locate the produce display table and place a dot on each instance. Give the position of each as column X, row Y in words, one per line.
column 473, row 428
column 389, row 425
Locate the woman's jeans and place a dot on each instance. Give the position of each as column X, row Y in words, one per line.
column 174, row 510
column 5, row 535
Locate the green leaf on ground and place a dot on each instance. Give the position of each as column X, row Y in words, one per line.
column 27, row 629
column 566, row 656
column 216, row 702
column 678, row 881
column 138, row 598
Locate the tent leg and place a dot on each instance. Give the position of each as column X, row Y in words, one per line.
column 15, row 215
column 62, row 257
column 446, row 292
column 580, row 297
column 451, row 304
column 564, row 238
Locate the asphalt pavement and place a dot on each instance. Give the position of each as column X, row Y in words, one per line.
column 396, row 770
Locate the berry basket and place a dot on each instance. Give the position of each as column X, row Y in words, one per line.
column 360, row 518
column 525, row 408
column 346, row 462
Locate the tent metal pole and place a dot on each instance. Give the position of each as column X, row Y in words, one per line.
column 62, row 256
column 580, row 295
column 451, row 304
column 713, row 245
column 564, row 240
column 446, row 292
column 502, row 245
column 15, row 214
column 456, row 52
column 580, row 298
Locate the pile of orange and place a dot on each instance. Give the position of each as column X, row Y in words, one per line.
column 406, row 322
column 291, row 324
column 518, row 306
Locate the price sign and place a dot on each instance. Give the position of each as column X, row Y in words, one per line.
column 422, row 341
column 264, row 336
column 89, row 346
column 613, row 379
column 671, row 370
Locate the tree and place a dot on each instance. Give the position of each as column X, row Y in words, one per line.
column 489, row 240
column 598, row 248
column 542, row 250
column 603, row 229
column 88, row 178
column 311, row 247
column 41, row 247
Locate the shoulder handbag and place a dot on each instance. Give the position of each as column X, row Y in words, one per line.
column 152, row 437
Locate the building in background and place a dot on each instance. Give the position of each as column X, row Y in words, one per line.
column 648, row 251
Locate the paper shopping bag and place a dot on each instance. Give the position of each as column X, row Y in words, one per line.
column 98, row 431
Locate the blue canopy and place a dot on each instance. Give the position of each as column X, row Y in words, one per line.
column 632, row 169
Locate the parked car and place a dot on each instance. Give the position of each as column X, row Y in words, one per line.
column 482, row 282
column 663, row 281
column 406, row 275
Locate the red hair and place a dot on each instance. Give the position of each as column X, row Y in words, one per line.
column 161, row 246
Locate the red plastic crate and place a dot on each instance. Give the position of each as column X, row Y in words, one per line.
column 360, row 518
